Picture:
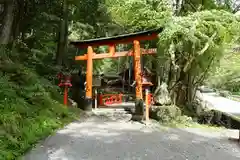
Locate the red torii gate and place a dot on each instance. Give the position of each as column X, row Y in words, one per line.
column 134, row 38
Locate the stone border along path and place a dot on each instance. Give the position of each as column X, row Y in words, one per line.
column 104, row 136
column 227, row 106
column 222, row 104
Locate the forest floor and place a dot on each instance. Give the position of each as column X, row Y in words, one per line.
column 97, row 137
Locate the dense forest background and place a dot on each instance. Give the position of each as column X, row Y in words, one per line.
column 199, row 45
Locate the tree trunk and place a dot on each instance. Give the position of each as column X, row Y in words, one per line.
column 179, row 89
column 184, row 89
column 63, row 33
column 170, row 73
column 191, row 88
column 6, row 31
column 19, row 14
column 161, row 94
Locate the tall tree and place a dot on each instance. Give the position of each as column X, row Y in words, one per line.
column 62, row 34
column 6, row 28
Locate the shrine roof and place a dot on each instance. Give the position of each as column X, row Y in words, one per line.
column 125, row 38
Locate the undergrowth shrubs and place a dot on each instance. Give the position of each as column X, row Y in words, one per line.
column 29, row 109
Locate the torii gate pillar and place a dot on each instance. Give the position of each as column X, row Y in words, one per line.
column 89, row 75
column 139, row 104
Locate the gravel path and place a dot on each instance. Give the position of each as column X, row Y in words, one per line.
column 101, row 138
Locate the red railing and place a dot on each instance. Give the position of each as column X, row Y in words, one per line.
column 106, row 99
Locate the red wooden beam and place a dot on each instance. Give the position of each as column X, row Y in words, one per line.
column 117, row 54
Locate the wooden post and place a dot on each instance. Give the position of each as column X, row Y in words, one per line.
column 89, row 74
column 147, row 104
column 96, row 93
column 139, row 108
column 65, row 99
column 112, row 49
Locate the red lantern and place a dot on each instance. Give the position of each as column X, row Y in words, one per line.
column 65, row 82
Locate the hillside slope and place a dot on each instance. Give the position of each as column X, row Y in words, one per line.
column 29, row 108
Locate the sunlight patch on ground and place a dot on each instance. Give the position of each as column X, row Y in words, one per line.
column 172, row 137
column 55, row 155
column 104, row 129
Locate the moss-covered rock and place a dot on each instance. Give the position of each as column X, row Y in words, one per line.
column 162, row 96
column 165, row 114
column 217, row 116
column 206, row 116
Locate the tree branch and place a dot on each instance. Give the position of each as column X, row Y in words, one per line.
column 201, row 79
column 236, row 9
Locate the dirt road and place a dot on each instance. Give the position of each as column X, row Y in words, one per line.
column 100, row 138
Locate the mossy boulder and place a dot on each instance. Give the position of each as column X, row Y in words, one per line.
column 162, row 96
column 206, row 116
column 165, row 114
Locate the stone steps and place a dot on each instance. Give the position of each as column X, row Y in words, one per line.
column 119, row 114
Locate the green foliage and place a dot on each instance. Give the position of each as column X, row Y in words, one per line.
column 29, row 108
column 28, row 96
column 226, row 75
column 140, row 15
column 194, row 41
